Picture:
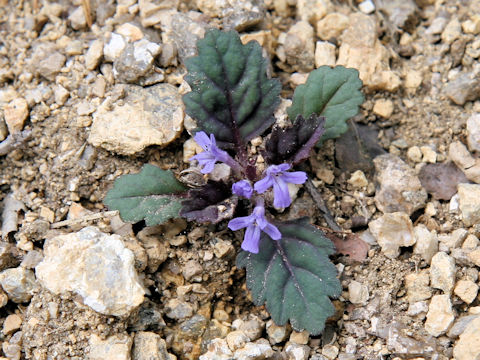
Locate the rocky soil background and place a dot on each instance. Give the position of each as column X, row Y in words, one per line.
column 85, row 99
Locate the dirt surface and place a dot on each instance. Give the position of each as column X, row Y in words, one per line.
column 57, row 174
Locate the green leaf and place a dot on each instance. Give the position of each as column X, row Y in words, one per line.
column 231, row 95
column 294, row 276
column 330, row 92
column 153, row 195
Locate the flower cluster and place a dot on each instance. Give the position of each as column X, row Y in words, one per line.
column 275, row 176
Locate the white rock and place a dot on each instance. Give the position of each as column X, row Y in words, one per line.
column 257, row 350
column 324, row 54
column 276, row 334
column 115, row 347
column 18, row 283
column 400, row 189
column 426, row 244
column 149, row 346
column 367, row 7
column 466, row 290
column 452, row 31
column 362, row 50
column 473, row 132
column 114, row 47
column 393, row 231
column 383, row 108
column 77, row 19
column 468, row 345
column 357, row 293
column 148, row 116
column 440, row 315
column 153, row 12
column 442, row 272
column 94, row 265
column 358, row 179
column 469, row 203
column 217, row 350
column 429, row 155
column 297, row 351
column 417, row 308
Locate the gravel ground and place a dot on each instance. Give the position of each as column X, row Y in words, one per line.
column 85, row 99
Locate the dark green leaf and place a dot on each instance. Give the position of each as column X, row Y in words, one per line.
column 293, row 143
column 210, row 203
column 330, row 92
column 153, row 195
column 231, row 95
column 294, row 276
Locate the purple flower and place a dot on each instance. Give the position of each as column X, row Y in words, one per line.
column 277, row 177
column 212, row 153
column 242, row 188
column 254, row 223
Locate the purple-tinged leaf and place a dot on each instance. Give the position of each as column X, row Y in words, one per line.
column 293, row 144
column 211, row 203
column 293, row 276
column 231, row 95
column 441, row 180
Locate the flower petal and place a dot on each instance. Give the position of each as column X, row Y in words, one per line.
column 295, row 177
column 203, row 140
column 251, row 239
column 242, row 188
column 208, row 167
column 240, row 222
column 263, row 185
column 281, row 196
column 272, row 231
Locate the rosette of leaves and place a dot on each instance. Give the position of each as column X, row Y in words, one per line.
column 233, row 99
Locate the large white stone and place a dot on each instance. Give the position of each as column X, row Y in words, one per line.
column 469, row 203
column 148, row 116
column 442, row 272
column 94, row 265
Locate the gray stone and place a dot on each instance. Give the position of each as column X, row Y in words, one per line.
column 136, row 61
column 466, row 87
column 191, row 269
column 452, row 241
column 473, row 132
column 468, row 345
column 94, row 265
column 401, row 13
column 440, row 315
column 178, row 309
column 276, row 334
column 184, row 30
column 460, row 325
column 300, row 47
column 51, row 65
column 393, row 231
column 149, row 346
column 399, row 187
column 442, row 272
column 469, row 203
column 18, row 283
column 147, row 116
column 115, row 347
